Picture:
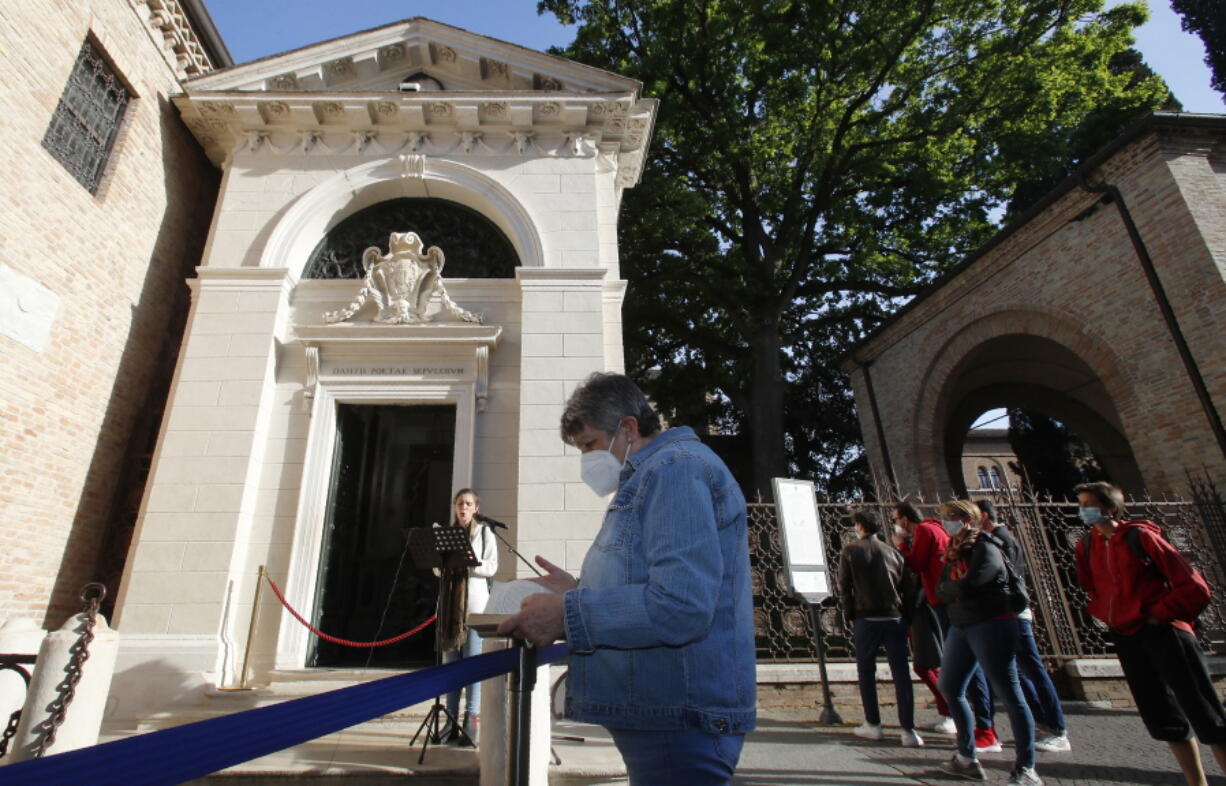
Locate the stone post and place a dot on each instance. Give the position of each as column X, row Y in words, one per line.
column 18, row 636
column 83, row 718
column 493, row 736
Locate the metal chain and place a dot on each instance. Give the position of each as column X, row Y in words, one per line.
column 91, row 596
column 9, row 731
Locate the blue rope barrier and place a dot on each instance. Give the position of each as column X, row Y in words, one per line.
column 194, row 750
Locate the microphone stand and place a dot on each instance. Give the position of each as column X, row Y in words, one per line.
column 515, row 551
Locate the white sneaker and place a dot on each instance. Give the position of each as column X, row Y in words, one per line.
column 1025, row 776
column 946, row 725
column 1055, row 743
column 910, row 739
column 869, row 732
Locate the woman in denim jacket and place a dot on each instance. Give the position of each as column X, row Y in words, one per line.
column 661, row 623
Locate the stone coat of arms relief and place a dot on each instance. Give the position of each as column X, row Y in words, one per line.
column 401, row 284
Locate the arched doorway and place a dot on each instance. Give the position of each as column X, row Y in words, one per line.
column 1041, row 375
column 395, row 441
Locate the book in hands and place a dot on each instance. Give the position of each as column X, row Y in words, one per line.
column 505, row 600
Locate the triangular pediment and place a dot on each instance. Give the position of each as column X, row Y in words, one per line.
column 382, row 59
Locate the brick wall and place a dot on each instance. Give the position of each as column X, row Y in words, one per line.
column 1066, row 305
column 116, row 261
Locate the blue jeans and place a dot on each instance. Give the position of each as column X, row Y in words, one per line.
column 472, row 697
column 892, row 634
column 1036, row 682
column 977, row 692
column 667, row 758
column 993, row 643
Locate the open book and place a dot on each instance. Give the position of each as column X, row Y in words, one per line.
column 505, row 599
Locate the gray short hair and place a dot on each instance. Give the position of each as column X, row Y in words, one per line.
column 602, row 401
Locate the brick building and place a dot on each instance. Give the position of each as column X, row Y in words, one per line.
column 1120, row 334
column 988, row 462
column 104, row 210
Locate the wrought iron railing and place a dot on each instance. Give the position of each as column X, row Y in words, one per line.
column 1048, row 531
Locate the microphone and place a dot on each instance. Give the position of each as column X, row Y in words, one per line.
column 487, row 520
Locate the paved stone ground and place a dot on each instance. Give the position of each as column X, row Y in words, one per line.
column 789, row 748
column 1110, row 746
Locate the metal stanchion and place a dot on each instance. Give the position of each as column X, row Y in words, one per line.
column 523, row 680
column 255, row 615
column 829, row 714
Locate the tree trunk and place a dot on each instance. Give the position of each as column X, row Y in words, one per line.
column 765, row 415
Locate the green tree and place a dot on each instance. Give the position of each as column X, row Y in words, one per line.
column 1207, row 19
column 1052, row 459
column 1065, row 148
column 815, row 163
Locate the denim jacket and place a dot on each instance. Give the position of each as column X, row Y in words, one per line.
column 661, row 626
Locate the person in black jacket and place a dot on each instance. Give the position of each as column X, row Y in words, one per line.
column 875, row 587
column 1037, row 686
column 983, row 627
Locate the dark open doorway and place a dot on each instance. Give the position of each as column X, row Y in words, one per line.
column 391, row 473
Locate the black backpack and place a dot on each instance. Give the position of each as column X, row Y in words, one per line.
column 1015, row 587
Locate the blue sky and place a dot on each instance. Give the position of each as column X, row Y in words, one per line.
column 256, row 28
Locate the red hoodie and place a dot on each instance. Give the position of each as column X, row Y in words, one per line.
column 1124, row 591
column 923, row 552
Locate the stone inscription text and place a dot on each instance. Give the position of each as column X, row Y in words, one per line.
column 397, row 371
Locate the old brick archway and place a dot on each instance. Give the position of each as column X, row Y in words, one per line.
column 1041, row 375
column 1101, row 307
column 1025, row 356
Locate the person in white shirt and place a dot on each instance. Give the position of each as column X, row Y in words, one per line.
column 467, row 597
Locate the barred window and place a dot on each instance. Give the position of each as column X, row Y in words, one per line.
column 86, row 121
column 474, row 246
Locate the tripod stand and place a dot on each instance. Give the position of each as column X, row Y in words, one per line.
column 448, row 550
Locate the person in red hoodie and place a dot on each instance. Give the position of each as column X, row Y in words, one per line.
column 1149, row 597
column 922, row 543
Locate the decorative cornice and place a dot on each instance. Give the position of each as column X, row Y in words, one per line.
column 566, row 277
column 172, row 25
column 242, row 279
column 442, row 333
column 379, row 59
column 614, row 127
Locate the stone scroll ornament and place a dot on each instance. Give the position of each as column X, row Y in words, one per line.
column 401, row 284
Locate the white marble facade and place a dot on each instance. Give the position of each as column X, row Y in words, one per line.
column 540, row 146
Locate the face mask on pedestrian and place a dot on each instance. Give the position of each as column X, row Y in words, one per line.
column 601, row 470
column 1091, row 516
column 951, row 526
column 901, row 531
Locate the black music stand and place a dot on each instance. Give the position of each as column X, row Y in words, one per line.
column 449, row 550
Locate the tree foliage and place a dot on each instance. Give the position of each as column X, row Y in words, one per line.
column 814, row 164
column 1207, row 19
column 1052, row 459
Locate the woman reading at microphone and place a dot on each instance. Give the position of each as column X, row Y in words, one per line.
column 467, row 597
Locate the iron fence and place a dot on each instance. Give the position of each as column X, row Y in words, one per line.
column 1048, row 531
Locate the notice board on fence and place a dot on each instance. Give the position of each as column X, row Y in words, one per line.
column 804, row 553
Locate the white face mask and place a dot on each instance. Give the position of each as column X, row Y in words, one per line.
column 951, row 526
column 601, row 470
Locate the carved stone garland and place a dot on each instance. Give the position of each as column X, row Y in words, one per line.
column 401, row 283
